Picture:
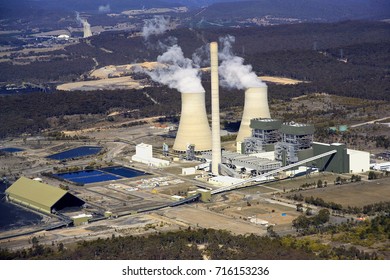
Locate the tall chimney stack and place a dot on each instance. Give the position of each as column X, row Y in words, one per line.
column 215, row 123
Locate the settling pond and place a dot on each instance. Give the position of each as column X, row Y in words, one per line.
column 100, row 175
column 76, row 153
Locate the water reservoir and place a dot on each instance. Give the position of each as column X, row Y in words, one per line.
column 76, row 153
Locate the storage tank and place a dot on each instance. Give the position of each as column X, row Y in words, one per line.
column 255, row 106
column 194, row 126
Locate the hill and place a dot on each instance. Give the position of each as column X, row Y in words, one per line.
column 309, row 10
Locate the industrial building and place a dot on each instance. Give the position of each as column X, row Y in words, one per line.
column 40, row 196
column 344, row 161
column 205, row 195
column 295, row 142
column 265, row 134
column 384, row 166
column 290, row 141
column 237, row 163
column 144, row 154
column 81, row 219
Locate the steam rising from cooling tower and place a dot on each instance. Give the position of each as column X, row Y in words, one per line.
column 86, row 25
column 155, row 26
column 179, row 72
column 234, row 74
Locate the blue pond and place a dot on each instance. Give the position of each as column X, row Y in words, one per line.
column 100, row 175
column 11, row 150
column 76, row 153
column 87, row 176
column 123, row 171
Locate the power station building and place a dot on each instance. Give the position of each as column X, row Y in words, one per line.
column 344, row 161
column 40, row 196
column 144, row 154
column 265, row 135
column 293, row 142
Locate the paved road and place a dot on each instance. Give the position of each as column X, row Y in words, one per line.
column 370, row 122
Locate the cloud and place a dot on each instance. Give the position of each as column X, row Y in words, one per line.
column 155, row 26
column 104, row 9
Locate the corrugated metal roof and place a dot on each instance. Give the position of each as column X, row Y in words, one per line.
column 41, row 193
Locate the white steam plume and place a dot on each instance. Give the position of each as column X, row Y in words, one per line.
column 78, row 18
column 233, row 73
column 155, row 26
column 201, row 56
column 104, row 9
column 86, row 25
column 177, row 71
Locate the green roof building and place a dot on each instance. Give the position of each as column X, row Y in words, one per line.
column 40, row 196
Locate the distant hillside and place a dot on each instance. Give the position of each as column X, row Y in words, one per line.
column 20, row 8
column 317, row 10
column 199, row 3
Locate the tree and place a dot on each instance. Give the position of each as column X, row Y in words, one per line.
column 372, row 175
column 319, row 183
column 301, row 222
column 61, row 247
column 322, row 217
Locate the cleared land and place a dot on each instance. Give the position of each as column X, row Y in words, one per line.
column 203, row 218
column 280, row 80
column 109, row 77
column 118, row 70
column 354, row 194
column 104, row 84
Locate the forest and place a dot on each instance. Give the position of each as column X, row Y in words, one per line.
column 308, row 52
column 217, row 245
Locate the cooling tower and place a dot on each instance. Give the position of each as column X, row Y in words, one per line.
column 215, row 124
column 255, row 106
column 87, row 29
column 194, row 126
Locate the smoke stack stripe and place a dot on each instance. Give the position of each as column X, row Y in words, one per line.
column 215, row 124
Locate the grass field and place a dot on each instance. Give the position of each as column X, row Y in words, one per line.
column 354, row 194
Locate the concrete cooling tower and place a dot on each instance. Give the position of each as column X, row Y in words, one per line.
column 194, row 126
column 87, row 29
column 255, row 106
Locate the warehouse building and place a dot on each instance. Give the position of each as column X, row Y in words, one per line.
column 40, row 196
column 344, row 161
